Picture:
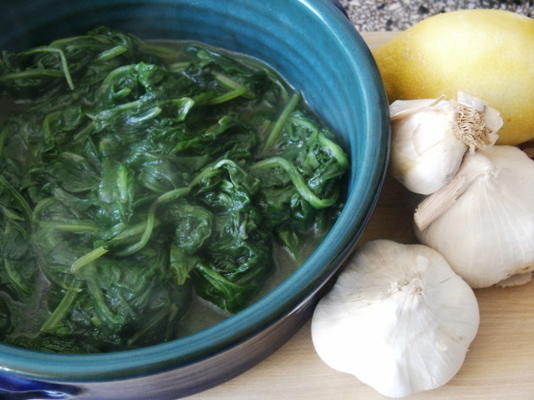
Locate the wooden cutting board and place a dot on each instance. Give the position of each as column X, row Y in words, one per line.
column 499, row 365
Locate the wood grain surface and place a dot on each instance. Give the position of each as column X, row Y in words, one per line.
column 499, row 365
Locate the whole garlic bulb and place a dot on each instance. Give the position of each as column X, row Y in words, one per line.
column 398, row 318
column 430, row 138
column 482, row 221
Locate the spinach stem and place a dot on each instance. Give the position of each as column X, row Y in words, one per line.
column 159, row 51
column 36, row 213
column 166, row 197
column 149, row 227
column 60, row 42
column 74, row 228
column 128, row 233
column 229, row 83
column 87, row 258
column 101, row 302
column 63, row 59
column 17, row 196
column 327, row 145
column 148, row 325
column 62, row 308
column 179, row 66
column 150, row 222
column 228, row 96
column 10, row 214
column 152, row 113
column 210, row 170
column 296, row 178
column 120, row 107
column 280, row 122
column 111, row 53
column 112, row 76
column 48, row 136
column 216, row 278
column 32, row 73
column 335, row 150
column 14, row 277
column 226, row 81
column 86, row 130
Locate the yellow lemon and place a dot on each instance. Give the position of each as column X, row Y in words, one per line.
column 486, row 53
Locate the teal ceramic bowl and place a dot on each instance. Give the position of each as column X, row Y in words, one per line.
column 314, row 46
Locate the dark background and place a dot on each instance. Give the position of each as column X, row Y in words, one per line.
column 393, row 15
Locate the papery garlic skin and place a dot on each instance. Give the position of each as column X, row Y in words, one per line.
column 398, row 318
column 478, row 129
column 516, row 280
column 431, row 136
column 487, row 232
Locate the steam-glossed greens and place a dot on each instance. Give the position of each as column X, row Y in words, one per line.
column 135, row 177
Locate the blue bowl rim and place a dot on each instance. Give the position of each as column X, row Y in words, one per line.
column 310, row 276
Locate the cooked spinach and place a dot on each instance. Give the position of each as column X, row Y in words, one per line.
column 136, row 176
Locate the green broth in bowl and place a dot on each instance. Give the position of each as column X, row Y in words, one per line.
column 149, row 190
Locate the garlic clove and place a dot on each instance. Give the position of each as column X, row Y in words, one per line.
column 486, row 230
column 431, row 136
column 398, row 318
column 425, row 152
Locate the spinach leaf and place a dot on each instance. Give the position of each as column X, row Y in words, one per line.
column 136, row 177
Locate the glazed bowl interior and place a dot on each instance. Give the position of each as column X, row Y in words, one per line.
column 314, row 47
